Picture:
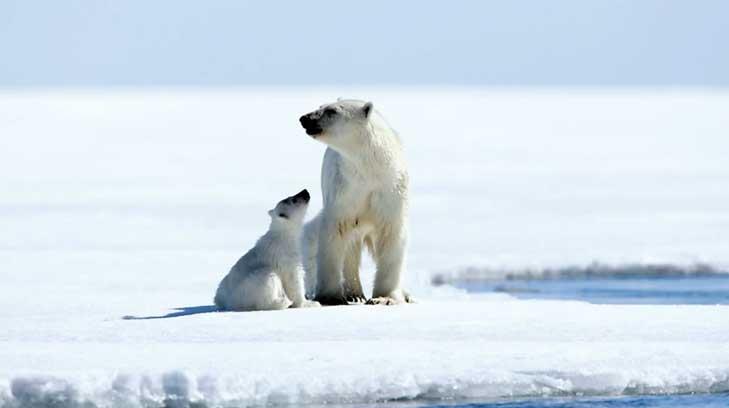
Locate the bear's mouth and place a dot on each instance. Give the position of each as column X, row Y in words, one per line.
column 313, row 130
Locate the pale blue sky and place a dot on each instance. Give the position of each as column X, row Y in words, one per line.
column 314, row 42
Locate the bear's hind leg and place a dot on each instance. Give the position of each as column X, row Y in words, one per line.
column 352, row 285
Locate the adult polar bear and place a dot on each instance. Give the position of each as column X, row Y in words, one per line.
column 364, row 183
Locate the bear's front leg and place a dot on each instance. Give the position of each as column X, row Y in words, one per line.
column 330, row 260
column 390, row 260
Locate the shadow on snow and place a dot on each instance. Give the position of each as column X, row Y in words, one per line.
column 180, row 311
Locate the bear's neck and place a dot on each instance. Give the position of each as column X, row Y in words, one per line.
column 376, row 150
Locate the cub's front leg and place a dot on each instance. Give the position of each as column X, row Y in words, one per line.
column 293, row 284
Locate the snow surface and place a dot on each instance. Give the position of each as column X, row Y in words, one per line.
column 482, row 347
column 134, row 203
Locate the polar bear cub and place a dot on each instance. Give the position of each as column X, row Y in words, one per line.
column 268, row 277
column 364, row 181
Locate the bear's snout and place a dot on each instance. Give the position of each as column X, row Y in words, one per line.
column 310, row 124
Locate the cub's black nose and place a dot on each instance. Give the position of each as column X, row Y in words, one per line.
column 304, row 120
column 304, row 195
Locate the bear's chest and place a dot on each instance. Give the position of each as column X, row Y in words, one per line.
column 359, row 194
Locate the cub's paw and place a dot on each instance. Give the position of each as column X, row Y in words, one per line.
column 305, row 303
column 408, row 298
column 331, row 300
column 311, row 303
column 383, row 300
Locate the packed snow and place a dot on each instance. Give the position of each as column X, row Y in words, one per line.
column 120, row 211
column 480, row 347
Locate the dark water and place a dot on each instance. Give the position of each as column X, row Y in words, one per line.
column 674, row 290
column 689, row 401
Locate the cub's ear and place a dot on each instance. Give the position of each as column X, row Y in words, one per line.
column 367, row 109
column 272, row 213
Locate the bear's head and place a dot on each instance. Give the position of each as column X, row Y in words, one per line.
column 340, row 124
column 290, row 211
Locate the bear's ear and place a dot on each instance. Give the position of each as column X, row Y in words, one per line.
column 367, row 109
column 272, row 213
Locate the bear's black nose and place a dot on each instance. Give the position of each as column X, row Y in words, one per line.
column 311, row 125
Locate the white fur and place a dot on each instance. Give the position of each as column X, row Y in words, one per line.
column 269, row 276
column 365, row 190
column 309, row 248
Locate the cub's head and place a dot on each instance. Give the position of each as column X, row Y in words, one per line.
column 341, row 124
column 291, row 210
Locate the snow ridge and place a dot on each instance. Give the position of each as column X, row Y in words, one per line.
column 590, row 271
column 183, row 389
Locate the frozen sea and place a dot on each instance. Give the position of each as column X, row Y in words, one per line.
column 120, row 210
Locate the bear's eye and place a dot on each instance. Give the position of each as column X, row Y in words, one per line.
column 330, row 111
column 282, row 215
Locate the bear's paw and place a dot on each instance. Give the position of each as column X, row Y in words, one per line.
column 331, row 300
